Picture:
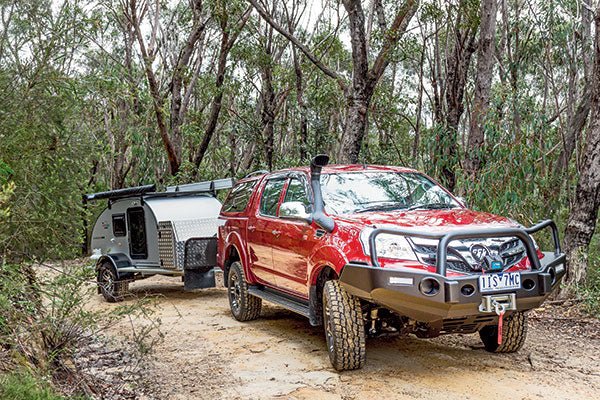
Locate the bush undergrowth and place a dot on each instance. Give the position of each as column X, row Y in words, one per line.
column 45, row 319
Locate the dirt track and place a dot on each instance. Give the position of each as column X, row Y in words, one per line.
column 207, row 354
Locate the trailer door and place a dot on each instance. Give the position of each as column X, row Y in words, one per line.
column 138, row 244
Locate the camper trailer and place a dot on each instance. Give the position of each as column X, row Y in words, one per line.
column 143, row 233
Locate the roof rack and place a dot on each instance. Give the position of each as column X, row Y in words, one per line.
column 120, row 193
column 207, row 186
column 259, row 172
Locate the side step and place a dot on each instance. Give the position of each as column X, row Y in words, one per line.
column 297, row 306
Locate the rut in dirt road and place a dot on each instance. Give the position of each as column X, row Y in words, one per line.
column 208, row 354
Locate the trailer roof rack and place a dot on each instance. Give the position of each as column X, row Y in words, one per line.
column 207, row 186
column 120, row 193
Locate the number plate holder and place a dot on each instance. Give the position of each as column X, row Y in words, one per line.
column 497, row 282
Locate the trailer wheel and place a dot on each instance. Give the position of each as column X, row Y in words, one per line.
column 514, row 332
column 244, row 306
column 344, row 327
column 110, row 286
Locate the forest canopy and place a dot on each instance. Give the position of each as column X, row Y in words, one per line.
column 497, row 99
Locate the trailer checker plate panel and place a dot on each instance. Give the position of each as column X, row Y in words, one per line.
column 497, row 282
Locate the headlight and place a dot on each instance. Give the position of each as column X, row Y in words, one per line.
column 388, row 246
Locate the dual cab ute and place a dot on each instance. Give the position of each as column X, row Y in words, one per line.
column 371, row 250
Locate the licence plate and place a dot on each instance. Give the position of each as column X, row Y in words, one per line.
column 496, row 282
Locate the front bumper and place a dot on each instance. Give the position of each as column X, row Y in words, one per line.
column 399, row 289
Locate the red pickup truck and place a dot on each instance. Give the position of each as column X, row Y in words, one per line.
column 369, row 250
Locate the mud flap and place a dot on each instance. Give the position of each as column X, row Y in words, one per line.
column 198, row 279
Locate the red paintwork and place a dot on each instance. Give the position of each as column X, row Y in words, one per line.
column 298, row 256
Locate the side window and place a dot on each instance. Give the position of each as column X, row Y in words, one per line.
column 270, row 197
column 237, row 201
column 118, row 225
column 296, row 191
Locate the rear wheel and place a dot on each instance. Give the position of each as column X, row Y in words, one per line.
column 244, row 306
column 514, row 332
column 111, row 287
column 344, row 327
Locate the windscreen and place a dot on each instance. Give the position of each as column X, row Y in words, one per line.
column 355, row 192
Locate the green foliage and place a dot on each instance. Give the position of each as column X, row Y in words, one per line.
column 24, row 386
column 591, row 290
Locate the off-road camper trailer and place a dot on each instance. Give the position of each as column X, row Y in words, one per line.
column 143, row 233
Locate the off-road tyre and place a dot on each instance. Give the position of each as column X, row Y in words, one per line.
column 111, row 288
column 344, row 327
column 244, row 306
column 514, row 332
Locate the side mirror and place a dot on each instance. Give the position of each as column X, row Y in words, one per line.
column 294, row 210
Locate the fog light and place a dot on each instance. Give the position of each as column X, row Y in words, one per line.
column 429, row 286
column 528, row 284
column 467, row 290
column 552, row 276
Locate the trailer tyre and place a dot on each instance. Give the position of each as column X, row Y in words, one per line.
column 244, row 306
column 514, row 332
column 344, row 327
column 110, row 286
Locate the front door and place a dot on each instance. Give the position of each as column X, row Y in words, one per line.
column 294, row 245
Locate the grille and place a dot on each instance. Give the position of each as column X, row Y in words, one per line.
column 166, row 245
column 460, row 258
column 200, row 253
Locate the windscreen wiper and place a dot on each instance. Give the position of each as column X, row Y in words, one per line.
column 431, row 206
column 382, row 207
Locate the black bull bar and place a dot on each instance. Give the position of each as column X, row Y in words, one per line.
column 380, row 285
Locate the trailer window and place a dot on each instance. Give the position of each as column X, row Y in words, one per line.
column 238, row 199
column 138, row 248
column 118, row 225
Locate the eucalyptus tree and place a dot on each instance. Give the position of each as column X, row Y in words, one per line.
column 358, row 92
column 483, row 84
column 583, row 215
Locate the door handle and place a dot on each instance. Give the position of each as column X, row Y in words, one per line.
column 251, row 228
column 275, row 232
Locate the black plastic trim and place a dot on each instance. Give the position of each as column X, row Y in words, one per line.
column 444, row 240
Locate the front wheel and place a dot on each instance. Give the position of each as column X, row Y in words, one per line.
column 514, row 332
column 344, row 327
column 244, row 306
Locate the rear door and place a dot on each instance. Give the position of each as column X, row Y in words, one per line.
column 295, row 242
column 263, row 226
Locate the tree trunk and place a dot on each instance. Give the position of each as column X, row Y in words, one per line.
column 483, row 84
column 268, row 114
column 578, row 119
column 354, row 132
column 301, row 107
column 584, row 212
column 227, row 41
column 456, row 79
